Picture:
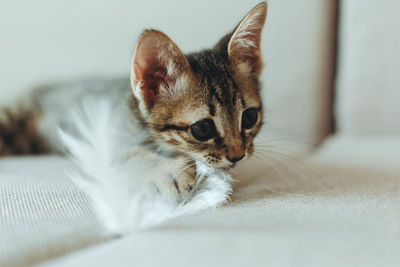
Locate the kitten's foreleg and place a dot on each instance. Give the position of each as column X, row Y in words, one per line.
column 176, row 176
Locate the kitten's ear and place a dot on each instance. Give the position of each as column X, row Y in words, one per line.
column 244, row 44
column 157, row 65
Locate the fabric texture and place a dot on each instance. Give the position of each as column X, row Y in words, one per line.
column 284, row 212
column 42, row 213
column 368, row 95
column 310, row 213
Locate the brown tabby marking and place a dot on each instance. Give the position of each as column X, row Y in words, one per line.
column 18, row 133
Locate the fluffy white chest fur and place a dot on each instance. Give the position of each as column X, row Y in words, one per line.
column 130, row 192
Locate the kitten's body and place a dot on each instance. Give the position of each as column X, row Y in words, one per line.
column 56, row 113
column 205, row 106
column 46, row 109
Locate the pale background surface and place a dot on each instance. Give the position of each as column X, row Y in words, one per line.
column 369, row 68
column 49, row 40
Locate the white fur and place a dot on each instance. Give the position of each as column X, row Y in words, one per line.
column 122, row 188
column 243, row 37
column 171, row 71
column 173, row 90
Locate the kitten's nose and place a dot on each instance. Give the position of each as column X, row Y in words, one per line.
column 233, row 160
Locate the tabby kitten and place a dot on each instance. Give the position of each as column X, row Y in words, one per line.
column 203, row 106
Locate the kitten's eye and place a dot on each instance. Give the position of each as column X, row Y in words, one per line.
column 203, row 130
column 249, row 118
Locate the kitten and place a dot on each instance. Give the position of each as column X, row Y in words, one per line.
column 202, row 107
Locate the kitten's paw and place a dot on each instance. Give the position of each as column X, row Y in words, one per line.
column 184, row 182
column 171, row 178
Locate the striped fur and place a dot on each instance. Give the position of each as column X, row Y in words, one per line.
column 19, row 134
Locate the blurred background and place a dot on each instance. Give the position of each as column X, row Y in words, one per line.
column 44, row 41
column 332, row 74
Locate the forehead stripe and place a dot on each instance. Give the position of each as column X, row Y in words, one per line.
column 243, row 102
column 216, row 94
column 211, row 109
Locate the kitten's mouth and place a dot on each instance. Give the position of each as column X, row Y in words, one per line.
column 229, row 167
column 232, row 165
column 226, row 167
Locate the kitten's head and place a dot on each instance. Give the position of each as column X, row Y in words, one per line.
column 204, row 104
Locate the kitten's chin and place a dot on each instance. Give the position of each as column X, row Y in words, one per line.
column 227, row 166
column 205, row 168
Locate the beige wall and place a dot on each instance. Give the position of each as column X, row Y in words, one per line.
column 46, row 40
column 368, row 102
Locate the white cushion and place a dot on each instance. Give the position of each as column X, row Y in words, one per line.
column 368, row 91
column 42, row 213
column 381, row 153
column 314, row 212
column 298, row 50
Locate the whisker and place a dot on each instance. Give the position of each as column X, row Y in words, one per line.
column 291, row 168
column 185, row 168
column 299, row 164
column 282, row 175
column 279, row 168
column 291, row 158
column 275, row 164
